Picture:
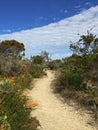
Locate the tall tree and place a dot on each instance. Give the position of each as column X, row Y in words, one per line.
column 87, row 49
column 11, row 47
column 11, row 51
column 87, row 44
column 45, row 55
column 37, row 59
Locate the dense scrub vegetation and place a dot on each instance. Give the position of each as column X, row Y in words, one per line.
column 16, row 74
column 77, row 79
column 12, row 112
column 78, row 74
column 36, row 68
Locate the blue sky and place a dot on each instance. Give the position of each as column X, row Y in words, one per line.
column 47, row 24
column 16, row 15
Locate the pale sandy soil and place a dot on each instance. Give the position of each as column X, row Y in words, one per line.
column 52, row 113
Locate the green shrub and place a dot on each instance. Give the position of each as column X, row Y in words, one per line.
column 4, row 121
column 22, row 82
column 52, row 65
column 36, row 70
column 13, row 107
column 70, row 78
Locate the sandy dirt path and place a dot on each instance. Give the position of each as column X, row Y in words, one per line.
column 52, row 113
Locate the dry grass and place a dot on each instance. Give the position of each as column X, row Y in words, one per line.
column 30, row 104
column 11, row 80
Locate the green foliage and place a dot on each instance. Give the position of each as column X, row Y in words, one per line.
column 37, row 65
column 13, row 108
column 22, row 82
column 11, row 47
column 51, row 65
column 70, row 78
column 13, row 115
column 10, row 54
column 37, row 59
column 87, row 44
column 36, row 70
column 54, row 64
column 4, row 121
column 76, row 72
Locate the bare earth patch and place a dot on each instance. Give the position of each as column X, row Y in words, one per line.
column 52, row 113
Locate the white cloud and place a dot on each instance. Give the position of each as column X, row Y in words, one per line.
column 88, row 3
column 55, row 38
column 63, row 11
column 7, row 31
column 77, row 6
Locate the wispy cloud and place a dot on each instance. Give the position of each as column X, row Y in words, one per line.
column 88, row 3
column 63, row 11
column 55, row 38
column 7, row 31
column 78, row 6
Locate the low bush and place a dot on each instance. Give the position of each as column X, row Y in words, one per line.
column 36, row 70
column 4, row 123
column 14, row 113
column 71, row 79
column 22, row 82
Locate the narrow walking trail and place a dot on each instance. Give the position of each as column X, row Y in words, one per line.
column 52, row 113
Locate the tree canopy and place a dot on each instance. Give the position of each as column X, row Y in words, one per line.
column 87, row 44
column 9, row 47
column 37, row 59
column 10, row 54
